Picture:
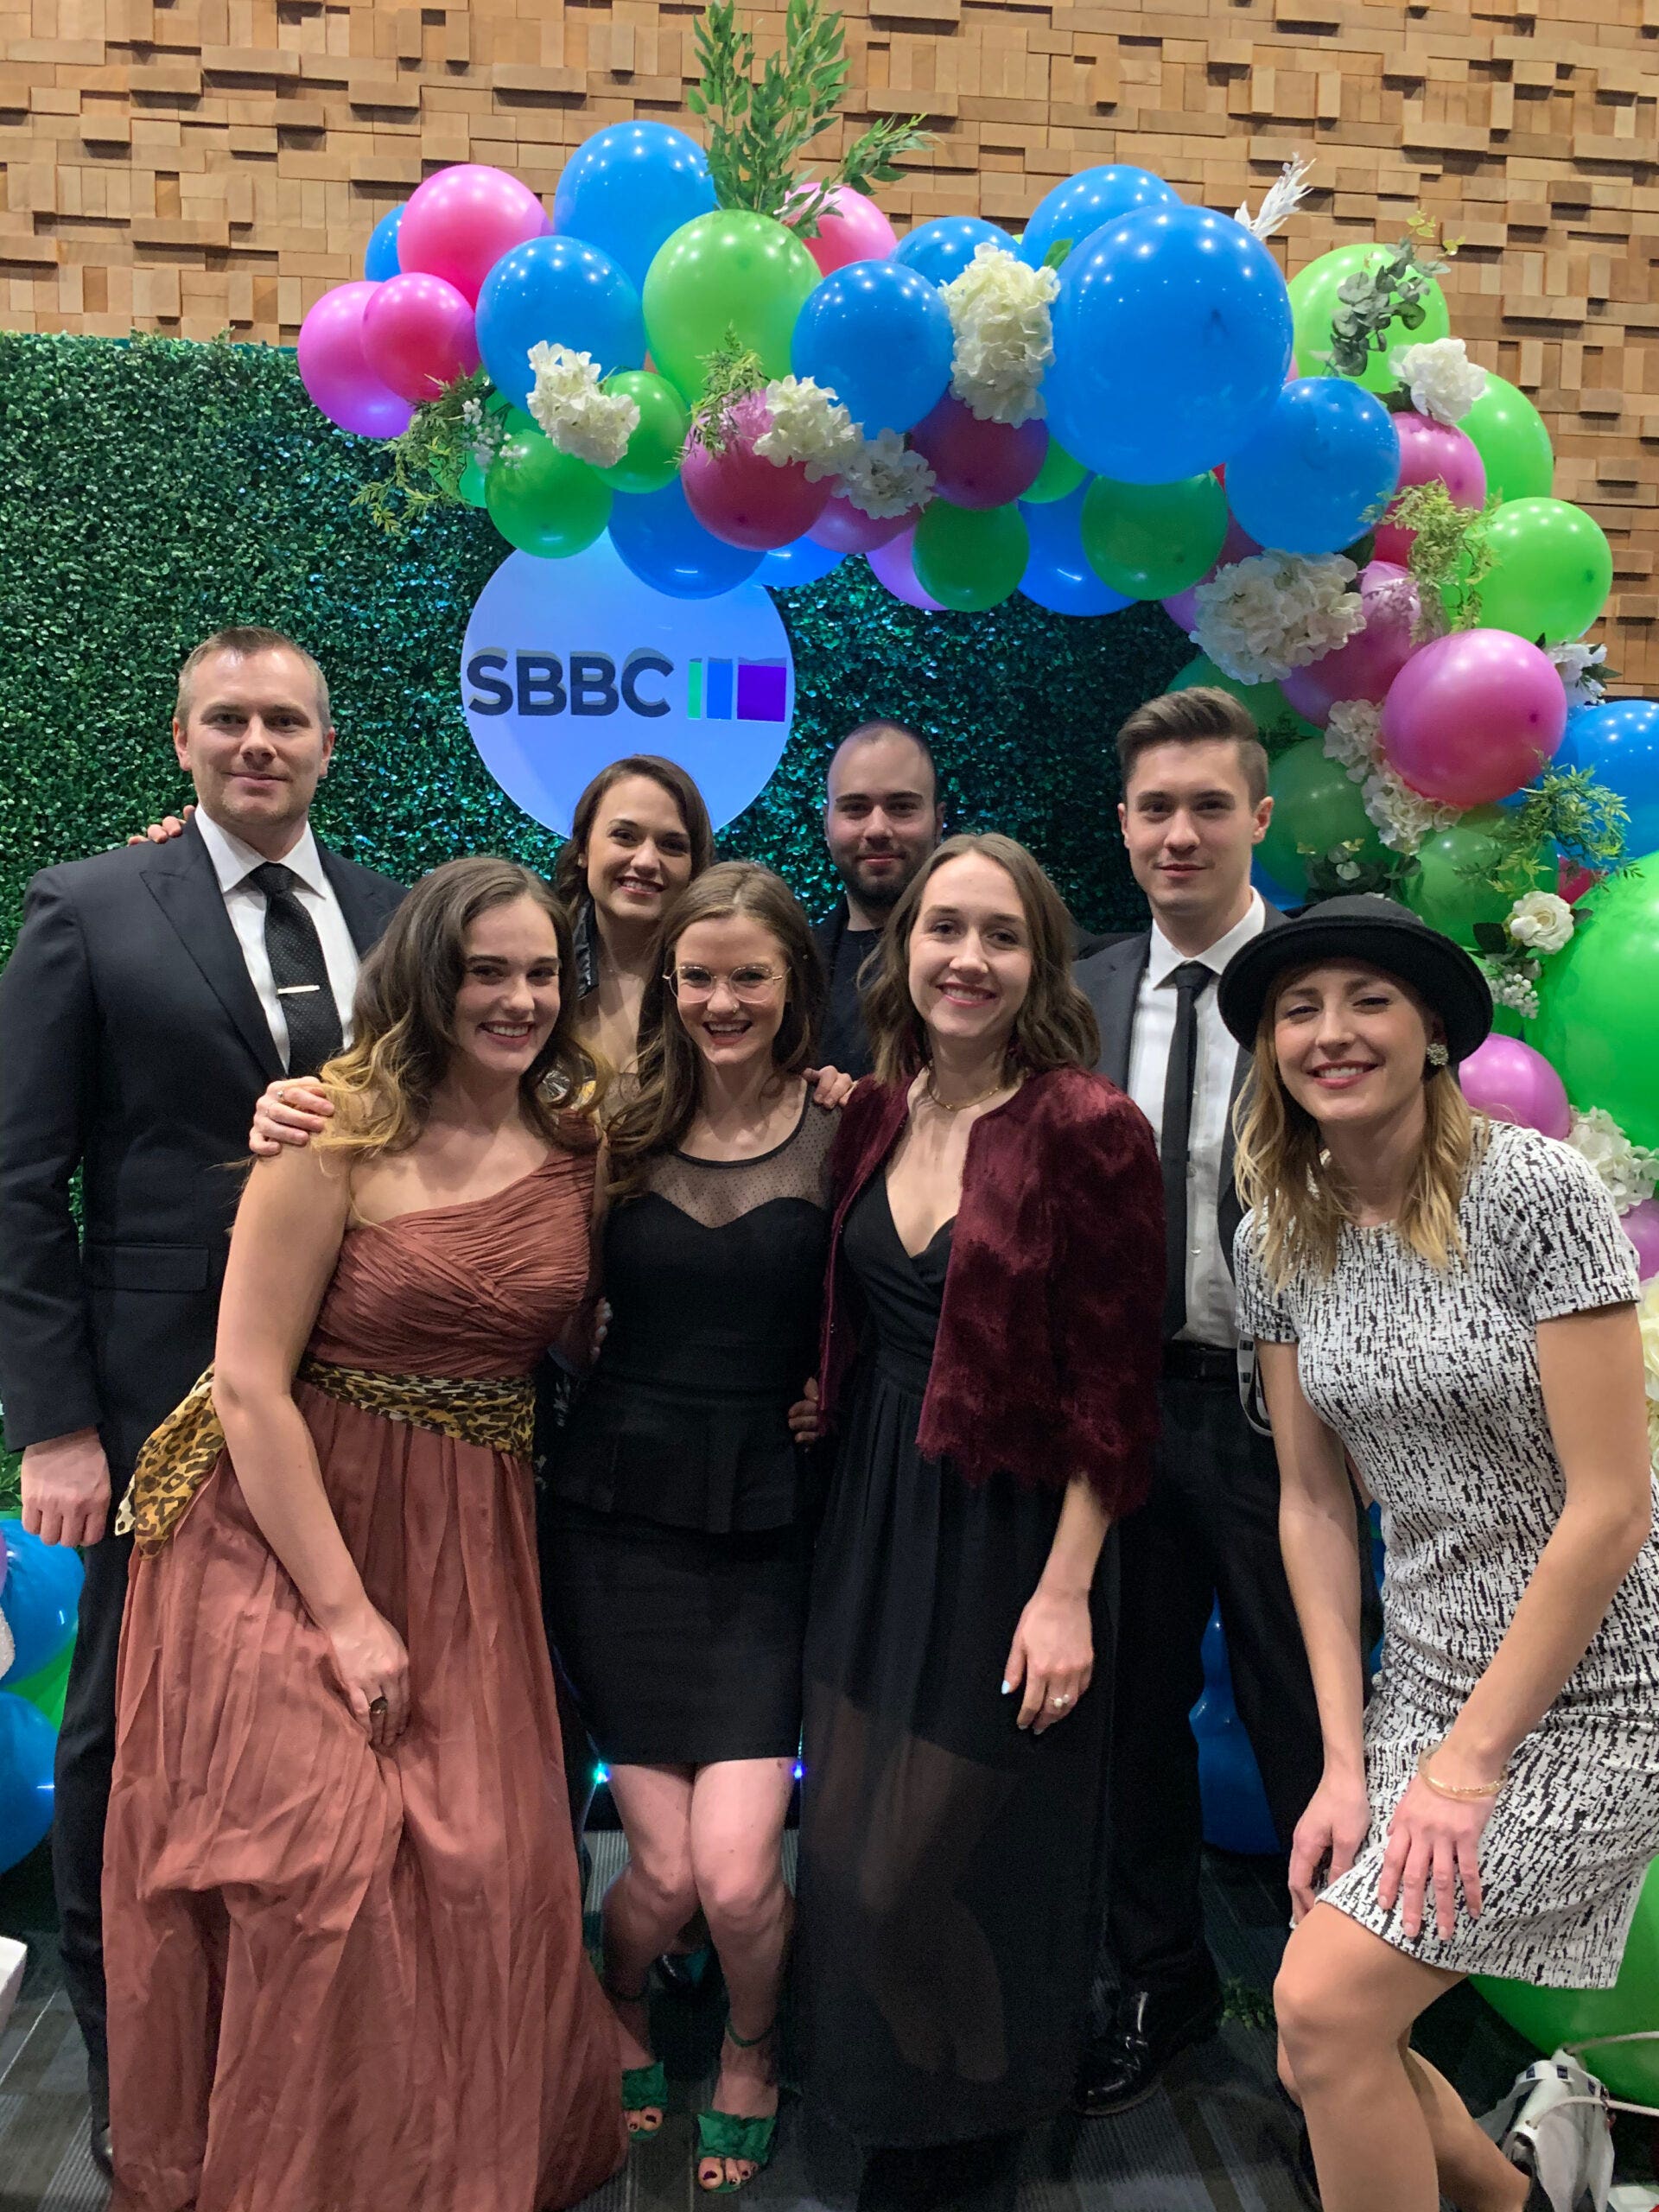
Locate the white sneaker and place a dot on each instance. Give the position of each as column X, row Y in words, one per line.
column 1556, row 2125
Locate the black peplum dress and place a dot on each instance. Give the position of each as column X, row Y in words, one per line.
column 674, row 1572
column 950, row 1862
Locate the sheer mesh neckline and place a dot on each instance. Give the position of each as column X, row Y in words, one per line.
column 755, row 1159
column 715, row 1192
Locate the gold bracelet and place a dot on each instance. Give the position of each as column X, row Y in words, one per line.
column 1464, row 1792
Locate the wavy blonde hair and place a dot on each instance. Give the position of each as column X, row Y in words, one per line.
column 1300, row 1201
column 383, row 1086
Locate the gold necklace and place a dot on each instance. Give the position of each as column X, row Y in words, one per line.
column 961, row 1105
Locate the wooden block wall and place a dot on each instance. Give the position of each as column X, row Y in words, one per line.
column 195, row 166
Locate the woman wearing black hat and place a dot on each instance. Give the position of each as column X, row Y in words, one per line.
column 1451, row 1302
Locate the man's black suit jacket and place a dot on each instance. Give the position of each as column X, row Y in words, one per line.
column 132, row 1047
column 1112, row 981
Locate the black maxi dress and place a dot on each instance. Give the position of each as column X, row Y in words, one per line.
column 950, row 1862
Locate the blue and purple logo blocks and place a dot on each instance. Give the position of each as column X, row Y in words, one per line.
column 737, row 690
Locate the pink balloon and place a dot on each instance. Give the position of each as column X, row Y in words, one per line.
column 417, row 336
column 1510, row 1081
column 895, row 567
column 334, row 369
column 1238, row 545
column 460, row 221
column 1428, row 449
column 856, row 230
column 1574, row 881
column 846, row 529
column 979, row 464
column 1642, row 1227
column 1473, row 716
column 1373, row 657
column 739, row 496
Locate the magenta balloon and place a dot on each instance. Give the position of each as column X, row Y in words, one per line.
column 335, row 371
column 1508, row 1080
column 846, row 529
column 979, row 464
column 1473, row 716
column 1373, row 657
column 417, row 336
column 460, row 221
column 1430, row 449
column 854, row 230
column 1641, row 1226
column 1182, row 606
column 739, row 496
column 895, row 567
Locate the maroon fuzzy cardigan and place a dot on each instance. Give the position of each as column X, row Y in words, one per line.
column 1049, row 1347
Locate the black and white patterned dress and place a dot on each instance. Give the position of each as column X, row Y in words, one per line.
column 1430, row 1378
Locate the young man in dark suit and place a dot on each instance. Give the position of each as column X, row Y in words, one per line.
column 1194, row 809
column 151, row 994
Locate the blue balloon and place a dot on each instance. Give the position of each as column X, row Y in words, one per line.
column 1618, row 741
column 1058, row 574
column 40, row 1598
column 943, row 248
column 1275, row 893
column 380, row 254
column 1317, row 473
column 657, row 536
column 1236, row 1813
column 566, row 292
column 879, row 336
column 27, row 1743
column 1172, row 337
column 803, row 563
column 1079, row 205
column 629, row 187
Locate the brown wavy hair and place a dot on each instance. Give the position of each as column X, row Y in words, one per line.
column 670, row 1080
column 1054, row 1028
column 403, row 1039
column 570, row 869
column 1300, row 1201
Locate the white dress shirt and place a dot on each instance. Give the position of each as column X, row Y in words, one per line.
column 1210, row 1314
column 234, row 862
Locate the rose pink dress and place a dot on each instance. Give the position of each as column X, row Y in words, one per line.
column 340, row 1979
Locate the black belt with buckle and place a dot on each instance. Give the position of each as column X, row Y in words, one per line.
column 1189, row 1362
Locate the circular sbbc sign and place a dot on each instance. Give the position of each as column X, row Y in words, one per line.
column 571, row 665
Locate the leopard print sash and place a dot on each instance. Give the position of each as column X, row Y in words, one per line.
column 178, row 1458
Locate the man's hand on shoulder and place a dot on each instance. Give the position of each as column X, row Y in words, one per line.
column 67, row 1488
column 162, row 832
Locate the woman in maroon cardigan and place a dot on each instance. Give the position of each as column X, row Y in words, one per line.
column 990, row 1363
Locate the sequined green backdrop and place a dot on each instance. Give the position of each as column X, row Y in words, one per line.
column 155, row 490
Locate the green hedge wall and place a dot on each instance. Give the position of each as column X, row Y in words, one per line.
column 156, row 489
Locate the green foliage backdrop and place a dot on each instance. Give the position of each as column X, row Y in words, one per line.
column 157, row 489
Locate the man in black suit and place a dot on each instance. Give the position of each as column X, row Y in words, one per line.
column 1194, row 809
column 151, row 994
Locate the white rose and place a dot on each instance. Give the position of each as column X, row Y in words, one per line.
column 1443, row 381
column 1541, row 921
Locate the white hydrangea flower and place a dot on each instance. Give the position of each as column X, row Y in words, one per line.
column 1403, row 817
column 483, row 432
column 1626, row 1169
column 1648, row 1314
column 884, row 478
column 1574, row 664
column 808, row 424
column 999, row 312
column 576, row 415
column 1541, row 921
column 1259, row 619
column 1353, row 736
column 1443, row 381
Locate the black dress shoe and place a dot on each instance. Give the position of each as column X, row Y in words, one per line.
column 99, row 2143
column 1123, row 2067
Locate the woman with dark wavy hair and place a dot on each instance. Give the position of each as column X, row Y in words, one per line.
column 342, row 1922
column 991, row 1357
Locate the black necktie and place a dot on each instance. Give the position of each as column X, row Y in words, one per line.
column 1188, row 979
column 298, row 970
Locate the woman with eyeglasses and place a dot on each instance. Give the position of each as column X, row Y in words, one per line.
column 677, row 1570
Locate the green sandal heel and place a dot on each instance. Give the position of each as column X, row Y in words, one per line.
column 644, row 2088
column 728, row 2135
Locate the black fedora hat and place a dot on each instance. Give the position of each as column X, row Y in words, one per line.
column 1381, row 933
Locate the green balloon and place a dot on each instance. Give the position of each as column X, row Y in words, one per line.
column 1597, row 1000
column 1452, row 886
column 970, row 557
column 45, row 1688
column 1313, row 301
column 1149, row 541
column 471, row 486
column 1272, row 713
column 1508, row 432
column 733, row 271
column 544, row 501
column 652, row 458
column 1314, row 804
column 1059, row 474
column 1552, row 570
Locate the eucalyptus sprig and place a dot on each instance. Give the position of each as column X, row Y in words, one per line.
column 734, row 370
column 759, row 126
column 429, row 458
column 1342, row 869
column 1394, row 290
column 1449, row 555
